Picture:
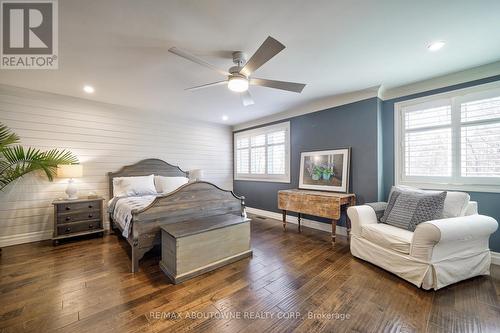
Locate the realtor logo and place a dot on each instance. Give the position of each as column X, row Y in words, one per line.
column 29, row 34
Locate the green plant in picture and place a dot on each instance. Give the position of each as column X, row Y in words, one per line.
column 317, row 172
column 17, row 161
column 327, row 173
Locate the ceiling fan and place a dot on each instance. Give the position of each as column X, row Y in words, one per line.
column 239, row 77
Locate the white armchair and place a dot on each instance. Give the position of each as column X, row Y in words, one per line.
column 438, row 253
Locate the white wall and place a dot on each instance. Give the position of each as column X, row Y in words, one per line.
column 104, row 137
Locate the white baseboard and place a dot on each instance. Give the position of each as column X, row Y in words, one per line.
column 292, row 219
column 495, row 258
column 25, row 238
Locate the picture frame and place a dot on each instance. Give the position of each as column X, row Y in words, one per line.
column 325, row 170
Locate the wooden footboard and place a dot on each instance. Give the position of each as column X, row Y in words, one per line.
column 192, row 201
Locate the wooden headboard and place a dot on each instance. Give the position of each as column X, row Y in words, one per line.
column 145, row 168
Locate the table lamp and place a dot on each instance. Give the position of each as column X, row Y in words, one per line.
column 195, row 174
column 70, row 171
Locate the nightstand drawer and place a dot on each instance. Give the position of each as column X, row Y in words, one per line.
column 78, row 206
column 77, row 217
column 71, row 228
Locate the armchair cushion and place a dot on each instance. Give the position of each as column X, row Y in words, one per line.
column 388, row 237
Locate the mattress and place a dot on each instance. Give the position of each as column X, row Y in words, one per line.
column 121, row 209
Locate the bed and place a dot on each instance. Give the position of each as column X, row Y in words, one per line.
column 193, row 200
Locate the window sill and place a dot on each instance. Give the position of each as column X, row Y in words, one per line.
column 268, row 180
column 453, row 187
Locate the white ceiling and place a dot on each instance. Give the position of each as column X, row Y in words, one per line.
column 120, row 47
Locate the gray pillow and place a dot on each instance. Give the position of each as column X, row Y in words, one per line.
column 407, row 209
column 378, row 207
column 392, row 198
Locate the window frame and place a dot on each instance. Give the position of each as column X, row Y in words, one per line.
column 259, row 131
column 456, row 181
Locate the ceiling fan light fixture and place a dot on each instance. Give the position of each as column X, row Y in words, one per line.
column 237, row 83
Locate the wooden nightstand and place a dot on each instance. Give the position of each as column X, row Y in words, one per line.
column 77, row 217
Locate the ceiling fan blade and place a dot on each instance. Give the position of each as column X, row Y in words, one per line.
column 264, row 53
column 218, row 83
column 283, row 85
column 246, row 98
column 195, row 59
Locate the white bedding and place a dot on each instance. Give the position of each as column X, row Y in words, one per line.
column 121, row 209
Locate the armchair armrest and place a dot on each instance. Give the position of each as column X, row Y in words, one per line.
column 360, row 215
column 458, row 231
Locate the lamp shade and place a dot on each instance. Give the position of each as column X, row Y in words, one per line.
column 196, row 174
column 69, row 171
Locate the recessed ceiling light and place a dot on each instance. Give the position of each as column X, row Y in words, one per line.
column 88, row 89
column 435, row 46
column 225, row 117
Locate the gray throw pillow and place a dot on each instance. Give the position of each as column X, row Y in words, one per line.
column 390, row 203
column 408, row 209
column 392, row 198
column 378, row 207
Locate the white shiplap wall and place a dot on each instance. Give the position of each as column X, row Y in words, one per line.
column 104, row 137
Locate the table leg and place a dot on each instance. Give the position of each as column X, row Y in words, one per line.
column 348, row 220
column 334, row 230
column 299, row 217
column 284, row 219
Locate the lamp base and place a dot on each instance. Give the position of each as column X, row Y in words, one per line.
column 72, row 190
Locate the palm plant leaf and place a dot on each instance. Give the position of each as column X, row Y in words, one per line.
column 7, row 138
column 18, row 162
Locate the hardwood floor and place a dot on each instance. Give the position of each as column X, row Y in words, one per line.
column 85, row 286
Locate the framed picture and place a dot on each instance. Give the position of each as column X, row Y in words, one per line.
column 326, row 170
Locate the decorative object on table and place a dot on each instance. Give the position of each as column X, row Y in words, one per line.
column 70, row 171
column 195, row 174
column 77, row 217
column 316, row 203
column 16, row 161
column 326, row 170
column 92, row 195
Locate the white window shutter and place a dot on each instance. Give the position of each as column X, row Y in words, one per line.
column 263, row 153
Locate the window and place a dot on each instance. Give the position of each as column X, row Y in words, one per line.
column 450, row 141
column 263, row 154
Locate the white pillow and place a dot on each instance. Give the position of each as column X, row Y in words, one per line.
column 169, row 184
column 126, row 186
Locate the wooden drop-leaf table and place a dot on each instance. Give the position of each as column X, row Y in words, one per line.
column 317, row 203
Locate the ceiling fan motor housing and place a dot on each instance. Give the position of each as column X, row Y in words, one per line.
column 239, row 58
column 235, row 71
